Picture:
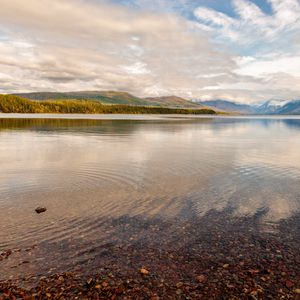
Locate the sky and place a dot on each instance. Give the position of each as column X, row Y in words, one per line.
column 242, row 50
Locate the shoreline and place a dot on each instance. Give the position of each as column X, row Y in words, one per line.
column 141, row 116
column 216, row 257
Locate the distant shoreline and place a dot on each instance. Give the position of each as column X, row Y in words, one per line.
column 139, row 116
column 16, row 104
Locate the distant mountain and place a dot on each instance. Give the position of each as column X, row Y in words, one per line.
column 229, row 106
column 270, row 107
column 113, row 97
column 173, row 101
column 279, row 107
column 290, row 108
column 108, row 97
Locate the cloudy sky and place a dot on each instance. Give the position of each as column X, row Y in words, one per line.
column 243, row 50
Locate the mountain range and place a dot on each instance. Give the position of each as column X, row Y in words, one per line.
column 114, row 97
column 271, row 107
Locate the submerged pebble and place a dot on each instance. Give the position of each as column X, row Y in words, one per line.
column 40, row 209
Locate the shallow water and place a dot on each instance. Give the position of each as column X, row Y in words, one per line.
column 87, row 171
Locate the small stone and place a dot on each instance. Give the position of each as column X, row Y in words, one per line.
column 60, row 278
column 226, row 266
column 40, row 210
column 201, row 278
column 98, row 286
column 144, row 271
column 119, row 290
column 179, row 292
column 48, row 295
column 297, row 291
column 263, row 279
column 253, row 271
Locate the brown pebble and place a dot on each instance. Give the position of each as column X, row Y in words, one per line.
column 144, row 271
column 201, row 278
column 289, row 284
column 263, row 279
column 40, row 210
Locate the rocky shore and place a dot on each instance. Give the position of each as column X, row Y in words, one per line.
column 215, row 257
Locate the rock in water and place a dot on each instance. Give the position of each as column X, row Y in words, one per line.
column 39, row 210
column 201, row 278
column 144, row 271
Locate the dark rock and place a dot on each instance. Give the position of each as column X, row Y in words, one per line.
column 40, row 210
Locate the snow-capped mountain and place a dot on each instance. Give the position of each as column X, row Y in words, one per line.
column 290, row 108
column 230, row 106
column 270, row 107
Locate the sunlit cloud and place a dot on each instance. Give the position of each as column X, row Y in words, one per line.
column 151, row 48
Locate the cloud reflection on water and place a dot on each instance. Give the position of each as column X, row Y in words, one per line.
column 84, row 169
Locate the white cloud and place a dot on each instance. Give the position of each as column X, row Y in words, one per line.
column 253, row 27
column 137, row 68
column 75, row 45
column 279, row 64
column 84, row 45
column 268, row 48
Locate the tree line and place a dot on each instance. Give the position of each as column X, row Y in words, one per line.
column 16, row 104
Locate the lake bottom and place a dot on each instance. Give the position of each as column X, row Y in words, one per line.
column 217, row 256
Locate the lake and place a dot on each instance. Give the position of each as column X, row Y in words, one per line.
column 107, row 181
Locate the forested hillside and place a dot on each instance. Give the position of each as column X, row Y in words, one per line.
column 16, row 104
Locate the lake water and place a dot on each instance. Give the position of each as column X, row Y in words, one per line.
column 88, row 171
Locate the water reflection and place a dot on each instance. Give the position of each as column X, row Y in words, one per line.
column 93, row 169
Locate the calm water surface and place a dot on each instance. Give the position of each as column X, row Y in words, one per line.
column 88, row 171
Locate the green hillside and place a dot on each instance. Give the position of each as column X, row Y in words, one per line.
column 113, row 97
column 173, row 101
column 16, row 104
column 108, row 97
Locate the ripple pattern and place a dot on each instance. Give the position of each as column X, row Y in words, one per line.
column 86, row 176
